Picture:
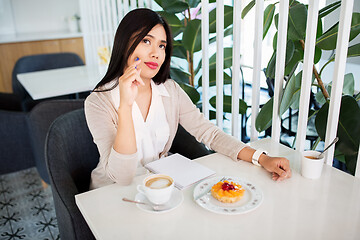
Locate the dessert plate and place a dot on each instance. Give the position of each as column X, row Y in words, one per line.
column 175, row 200
column 252, row 198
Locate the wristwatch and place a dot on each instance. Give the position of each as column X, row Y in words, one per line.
column 256, row 156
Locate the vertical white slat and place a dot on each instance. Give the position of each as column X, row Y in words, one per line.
column 357, row 170
column 219, row 62
column 205, row 56
column 103, row 24
column 306, row 81
column 85, row 26
column 133, row 4
column 109, row 26
column 149, row 4
column 114, row 22
column 236, row 69
column 280, row 67
column 98, row 26
column 141, row 3
column 120, row 10
column 126, row 6
column 338, row 77
column 255, row 98
column 93, row 39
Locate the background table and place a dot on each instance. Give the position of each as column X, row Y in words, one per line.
column 297, row 208
column 62, row 81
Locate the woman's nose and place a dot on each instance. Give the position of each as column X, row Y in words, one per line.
column 155, row 52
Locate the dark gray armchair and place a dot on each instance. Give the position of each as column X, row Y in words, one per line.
column 40, row 62
column 70, row 156
column 40, row 119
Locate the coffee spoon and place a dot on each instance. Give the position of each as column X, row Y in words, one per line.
column 154, row 207
column 334, row 141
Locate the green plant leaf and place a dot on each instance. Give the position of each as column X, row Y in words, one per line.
column 227, row 32
column 179, row 50
column 193, row 3
column 264, row 118
column 329, row 9
column 191, row 92
column 354, row 51
column 319, row 30
column 174, row 6
column 212, row 60
column 212, row 78
column 192, row 36
column 227, row 104
column 297, row 21
column 318, row 53
column 349, row 83
column 173, row 21
column 268, row 17
column 247, row 8
column 289, row 96
column 328, row 40
column 290, row 50
column 228, row 18
column 179, row 75
column 294, row 61
column 227, row 59
column 348, row 127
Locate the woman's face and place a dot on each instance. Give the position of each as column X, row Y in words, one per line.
column 151, row 52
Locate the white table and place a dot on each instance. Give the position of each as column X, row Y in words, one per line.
column 62, row 81
column 298, row 208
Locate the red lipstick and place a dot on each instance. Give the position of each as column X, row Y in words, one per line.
column 152, row 65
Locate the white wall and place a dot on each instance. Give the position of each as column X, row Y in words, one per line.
column 27, row 16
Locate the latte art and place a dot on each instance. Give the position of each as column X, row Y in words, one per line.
column 158, row 183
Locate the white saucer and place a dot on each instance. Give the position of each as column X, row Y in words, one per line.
column 175, row 201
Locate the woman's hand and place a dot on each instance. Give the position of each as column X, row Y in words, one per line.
column 278, row 166
column 128, row 84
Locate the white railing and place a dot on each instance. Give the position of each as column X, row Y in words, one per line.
column 101, row 18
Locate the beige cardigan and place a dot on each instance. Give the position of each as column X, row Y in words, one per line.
column 102, row 118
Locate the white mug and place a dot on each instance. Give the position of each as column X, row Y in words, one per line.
column 311, row 165
column 157, row 188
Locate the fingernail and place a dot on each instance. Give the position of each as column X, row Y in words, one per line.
column 136, row 59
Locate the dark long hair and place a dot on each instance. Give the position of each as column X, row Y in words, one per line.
column 132, row 29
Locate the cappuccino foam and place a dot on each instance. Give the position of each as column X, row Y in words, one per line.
column 158, row 183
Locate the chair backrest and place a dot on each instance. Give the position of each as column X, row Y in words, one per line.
column 41, row 62
column 40, row 119
column 70, row 155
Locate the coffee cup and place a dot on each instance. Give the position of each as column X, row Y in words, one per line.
column 311, row 164
column 157, row 188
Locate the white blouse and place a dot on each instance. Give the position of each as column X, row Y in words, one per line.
column 153, row 133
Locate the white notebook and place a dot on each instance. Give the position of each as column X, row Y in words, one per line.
column 184, row 171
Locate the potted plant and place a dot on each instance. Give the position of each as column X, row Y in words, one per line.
column 349, row 125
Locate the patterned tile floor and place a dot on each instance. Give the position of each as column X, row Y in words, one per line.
column 26, row 208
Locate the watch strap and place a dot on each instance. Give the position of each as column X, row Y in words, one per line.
column 256, row 156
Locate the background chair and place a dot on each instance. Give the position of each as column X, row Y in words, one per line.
column 37, row 63
column 71, row 155
column 15, row 147
column 40, row 119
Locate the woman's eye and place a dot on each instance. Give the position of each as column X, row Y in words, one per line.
column 146, row 41
column 162, row 46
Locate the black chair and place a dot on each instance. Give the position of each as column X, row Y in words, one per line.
column 70, row 155
column 40, row 119
column 37, row 63
column 185, row 144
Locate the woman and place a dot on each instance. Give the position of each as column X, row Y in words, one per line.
column 135, row 109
